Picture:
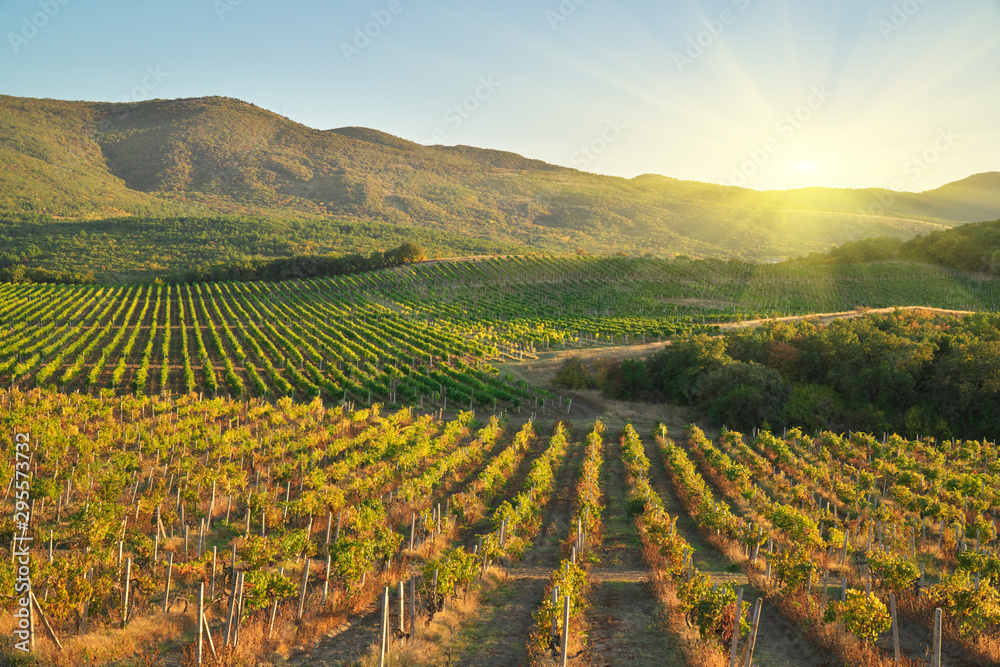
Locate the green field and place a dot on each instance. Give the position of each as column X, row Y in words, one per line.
column 424, row 333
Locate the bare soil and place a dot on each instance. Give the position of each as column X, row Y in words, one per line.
column 498, row 635
column 624, row 615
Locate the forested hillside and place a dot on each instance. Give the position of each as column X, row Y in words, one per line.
column 206, row 157
column 973, row 248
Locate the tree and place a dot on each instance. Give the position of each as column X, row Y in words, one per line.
column 408, row 253
column 677, row 368
column 741, row 395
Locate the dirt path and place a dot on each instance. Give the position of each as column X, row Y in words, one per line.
column 779, row 642
column 624, row 614
column 345, row 644
column 498, row 635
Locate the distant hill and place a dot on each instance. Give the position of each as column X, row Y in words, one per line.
column 973, row 199
column 206, row 157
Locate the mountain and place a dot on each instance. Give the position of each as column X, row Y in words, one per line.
column 205, row 157
column 972, row 199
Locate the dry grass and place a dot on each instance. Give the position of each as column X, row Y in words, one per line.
column 104, row 644
column 803, row 609
column 920, row 610
column 434, row 638
column 696, row 652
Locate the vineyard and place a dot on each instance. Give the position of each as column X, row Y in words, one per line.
column 335, row 471
column 424, row 335
column 179, row 531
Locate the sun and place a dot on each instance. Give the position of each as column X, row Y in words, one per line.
column 805, row 167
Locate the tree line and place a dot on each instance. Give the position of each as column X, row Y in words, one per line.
column 301, row 267
column 974, row 248
column 908, row 371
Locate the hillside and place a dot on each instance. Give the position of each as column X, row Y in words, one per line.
column 974, row 247
column 210, row 156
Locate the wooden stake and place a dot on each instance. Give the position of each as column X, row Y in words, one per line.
column 752, row 641
column 736, row 628
column 555, row 614
column 936, row 649
column 385, row 626
column 413, row 607
column 166, row 587
column 326, row 582
column 239, row 611
column 125, row 591
column 230, row 609
column 302, row 592
column 402, row 608
column 208, row 634
column 201, row 621
column 274, row 606
column 563, row 658
column 895, row 626
column 45, row 621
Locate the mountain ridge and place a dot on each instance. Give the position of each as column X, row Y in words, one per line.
column 207, row 156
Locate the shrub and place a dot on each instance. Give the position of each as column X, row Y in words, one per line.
column 573, row 375
column 864, row 615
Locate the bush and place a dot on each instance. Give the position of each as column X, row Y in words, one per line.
column 573, row 375
column 677, row 368
column 813, row 406
column 626, row 379
column 892, row 572
column 864, row 615
column 740, row 395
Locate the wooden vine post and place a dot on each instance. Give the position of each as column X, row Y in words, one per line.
column 563, row 657
column 736, row 628
column 302, row 593
column 201, row 621
column 895, row 626
column 125, row 591
column 385, row 626
column 936, row 649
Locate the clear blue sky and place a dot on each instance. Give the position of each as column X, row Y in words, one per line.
column 762, row 93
